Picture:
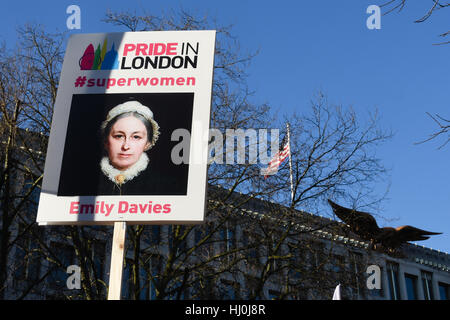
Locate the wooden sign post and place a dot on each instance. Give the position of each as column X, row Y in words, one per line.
column 117, row 255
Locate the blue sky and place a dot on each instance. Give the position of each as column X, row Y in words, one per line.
column 395, row 69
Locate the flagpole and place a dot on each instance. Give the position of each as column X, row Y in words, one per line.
column 290, row 162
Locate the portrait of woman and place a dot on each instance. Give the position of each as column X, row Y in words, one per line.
column 120, row 144
column 128, row 132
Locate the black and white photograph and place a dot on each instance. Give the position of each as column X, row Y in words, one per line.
column 120, row 144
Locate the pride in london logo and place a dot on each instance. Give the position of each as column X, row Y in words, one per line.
column 99, row 59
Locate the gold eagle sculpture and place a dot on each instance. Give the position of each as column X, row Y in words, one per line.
column 365, row 226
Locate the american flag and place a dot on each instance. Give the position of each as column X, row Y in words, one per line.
column 278, row 158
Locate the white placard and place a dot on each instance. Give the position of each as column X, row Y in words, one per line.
column 169, row 73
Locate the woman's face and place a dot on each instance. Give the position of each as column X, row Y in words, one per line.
column 126, row 141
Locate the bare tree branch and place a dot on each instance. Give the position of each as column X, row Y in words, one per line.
column 444, row 125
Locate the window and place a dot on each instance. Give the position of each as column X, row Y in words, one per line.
column 144, row 294
column 64, row 254
column 155, row 234
column 337, row 263
column 444, row 291
column 250, row 242
column 227, row 238
column 28, row 264
column 33, row 198
column 228, row 289
column 297, row 262
column 359, row 277
column 274, row 294
column 179, row 290
column 227, row 242
column 127, row 280
column 134, row 288
column 427, row 285
column 155, row 267
column 170, row 236
column 176, row 241
column 317, row 254
column 392, row 273
column 411, row 286
column 198, row 234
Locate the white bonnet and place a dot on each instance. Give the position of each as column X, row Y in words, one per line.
column 134, row 106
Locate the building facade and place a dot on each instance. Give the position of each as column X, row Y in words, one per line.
column 260, row 250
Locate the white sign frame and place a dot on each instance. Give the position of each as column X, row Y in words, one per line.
column 184, row 209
